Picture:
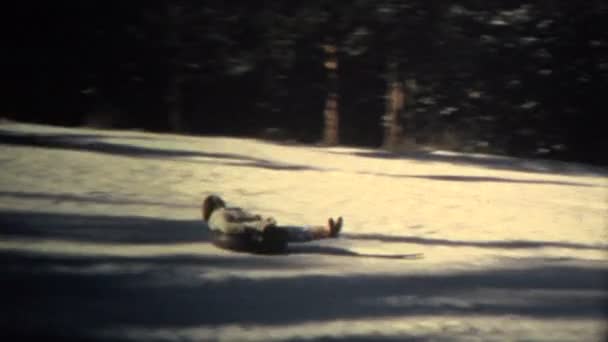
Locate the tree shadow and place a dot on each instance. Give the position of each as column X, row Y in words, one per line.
column 53, row 295
column 453, row 178
column 59, row 198
column 262, row 164
column 378, row 337
column 487, row 161
column 96, row 144
column 307, row 248
column 512, row 244
column 141, row 230
column 101, row 229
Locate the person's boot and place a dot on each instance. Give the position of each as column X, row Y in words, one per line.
column 335, row 227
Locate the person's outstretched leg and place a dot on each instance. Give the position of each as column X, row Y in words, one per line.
column 310, row 233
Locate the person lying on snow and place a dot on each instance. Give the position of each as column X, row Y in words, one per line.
column 235, row 228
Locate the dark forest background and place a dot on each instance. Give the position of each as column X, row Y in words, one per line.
column 523, row 78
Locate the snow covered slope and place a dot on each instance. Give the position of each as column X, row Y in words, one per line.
column 101, row 237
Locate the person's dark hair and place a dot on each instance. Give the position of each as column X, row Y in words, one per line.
column 210, row 204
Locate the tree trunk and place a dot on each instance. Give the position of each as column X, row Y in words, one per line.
column 174, row 104
column 330, row 135
column 395, row 102
column 331, row 114
column 173, row 97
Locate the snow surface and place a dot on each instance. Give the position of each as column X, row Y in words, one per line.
column 101, row 237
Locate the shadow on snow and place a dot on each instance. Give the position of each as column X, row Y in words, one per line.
column 513, row 244
column 100, row 198
column 59, row 294
column 55, row 295
column 454, row 178
column 136, row 230
column 96, row 144
column 487, row 161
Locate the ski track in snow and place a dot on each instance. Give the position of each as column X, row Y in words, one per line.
column 101, row 237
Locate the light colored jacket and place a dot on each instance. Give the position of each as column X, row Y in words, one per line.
column 236, row 220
